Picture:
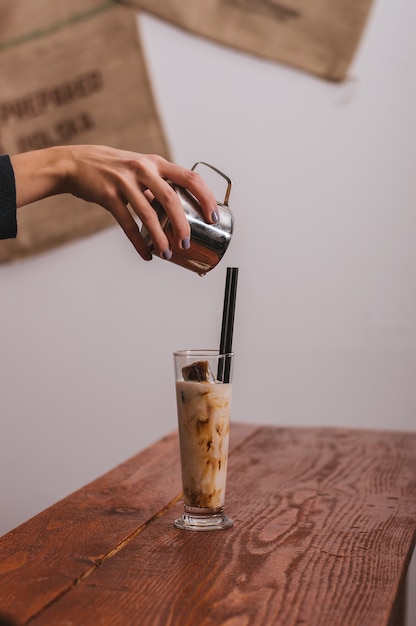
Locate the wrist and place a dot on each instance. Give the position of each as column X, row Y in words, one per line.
column 56, row 167
column 41, row 173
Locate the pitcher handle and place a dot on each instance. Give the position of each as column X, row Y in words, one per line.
column 229, row 183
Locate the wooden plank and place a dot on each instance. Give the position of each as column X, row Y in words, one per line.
column 47, row 556
column 325, row 524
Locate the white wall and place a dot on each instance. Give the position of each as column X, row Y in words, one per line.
column 324, row 200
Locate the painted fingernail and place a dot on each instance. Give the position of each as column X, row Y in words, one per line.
column 215, row 217
column 166, row 254
column 186, row 244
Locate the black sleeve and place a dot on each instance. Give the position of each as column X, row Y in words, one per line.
column 8, row 222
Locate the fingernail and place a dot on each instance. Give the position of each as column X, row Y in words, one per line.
column 215, row 217
column 166, row 254
column 186, row 244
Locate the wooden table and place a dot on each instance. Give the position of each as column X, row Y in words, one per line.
column 325, row 525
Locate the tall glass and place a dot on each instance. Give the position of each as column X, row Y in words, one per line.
column 203, row 395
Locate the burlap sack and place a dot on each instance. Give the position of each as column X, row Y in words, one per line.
column 71, row 72
column 319, row 36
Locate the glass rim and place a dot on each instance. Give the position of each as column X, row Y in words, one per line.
column 207, row 352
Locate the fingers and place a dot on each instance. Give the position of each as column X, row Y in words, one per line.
column 156, row 187
column 153, row 181
column 140, row 203
column 192, row 181
column 171, row 203
column 145, row 178
column 130, row 228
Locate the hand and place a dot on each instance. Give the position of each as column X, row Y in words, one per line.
column 115, row 179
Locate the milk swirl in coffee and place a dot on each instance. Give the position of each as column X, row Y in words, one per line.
column 204, row 425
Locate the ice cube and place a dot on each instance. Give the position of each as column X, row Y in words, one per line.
column 199, row 371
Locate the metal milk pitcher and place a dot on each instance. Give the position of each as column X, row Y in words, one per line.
column 209, row 242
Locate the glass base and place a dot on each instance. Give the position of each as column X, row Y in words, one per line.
column 196, row 518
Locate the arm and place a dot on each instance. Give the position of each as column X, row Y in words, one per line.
column 114, row 179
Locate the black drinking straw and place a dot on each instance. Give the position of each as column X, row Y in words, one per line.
column 226, row 342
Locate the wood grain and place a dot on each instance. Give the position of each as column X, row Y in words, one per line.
column 325, row 525
column 43, row 559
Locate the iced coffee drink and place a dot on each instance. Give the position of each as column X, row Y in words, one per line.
column 203, row 405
